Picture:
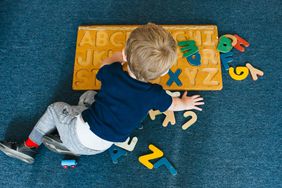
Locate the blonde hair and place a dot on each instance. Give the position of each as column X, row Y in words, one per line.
column 150, row 52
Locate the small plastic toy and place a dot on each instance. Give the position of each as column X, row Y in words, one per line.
column 144, row 159
column 173, row 77
column 126, row 145
column 239, row 73
column 164, row 162
column 224, row 44
column 169, row 118
column 254, row 71
column 225, row 59
column 191, row 121
column 116, row 153
column 194, row 59
column 68, row 163
column 188, row 47
column 240, row 43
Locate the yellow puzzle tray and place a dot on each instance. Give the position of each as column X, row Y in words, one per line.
column 95, row 43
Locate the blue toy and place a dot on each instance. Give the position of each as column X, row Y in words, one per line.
column 116, row 153
column 173, row 77
column 225, row 59
column 69, row 163
column 167, row 164
column 195, row 59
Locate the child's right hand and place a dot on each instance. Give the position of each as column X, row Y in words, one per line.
column 116, row 57
column 186, row 103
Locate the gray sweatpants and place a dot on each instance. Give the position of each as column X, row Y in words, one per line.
column 62, row 116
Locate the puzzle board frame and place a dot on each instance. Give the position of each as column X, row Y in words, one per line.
column 94, row 43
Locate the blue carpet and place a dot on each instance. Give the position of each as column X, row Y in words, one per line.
column 236, row 141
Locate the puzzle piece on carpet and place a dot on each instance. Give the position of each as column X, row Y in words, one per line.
column 191, row 121
column 224, row 44
column 241, row 43
column 169, row 118
column 164, row 162
column 144, row 159
column 225, row 59
column 95, row 43
column 254, row 71
column 239, row 73
column 129, row 146
column 116, row 153
column 233, row 38
column 154, row 113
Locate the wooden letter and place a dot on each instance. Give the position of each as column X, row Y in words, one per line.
column 169, row 118
column 126, row 145
column 240, row 43
column 164, row 162
column 254, row 71
column 240, row 73
column 191, row 121
column 157, row 153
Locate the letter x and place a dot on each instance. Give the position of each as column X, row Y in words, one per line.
column 173, row 77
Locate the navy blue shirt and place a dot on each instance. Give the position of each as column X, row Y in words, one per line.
column 122, row 103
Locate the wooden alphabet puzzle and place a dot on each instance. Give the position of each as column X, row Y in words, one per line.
column 95, row 43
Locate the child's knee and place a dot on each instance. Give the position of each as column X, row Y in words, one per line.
column 59, row 107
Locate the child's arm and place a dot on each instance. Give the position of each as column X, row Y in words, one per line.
column 116, row 57
column 186, row 103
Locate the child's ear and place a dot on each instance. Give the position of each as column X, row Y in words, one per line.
column 124, row 56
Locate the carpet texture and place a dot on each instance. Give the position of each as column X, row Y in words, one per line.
column 236, row 141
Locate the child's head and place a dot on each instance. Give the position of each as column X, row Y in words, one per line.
column 150, row 52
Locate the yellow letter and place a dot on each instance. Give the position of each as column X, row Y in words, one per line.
column 240, row 73
column 157, row 153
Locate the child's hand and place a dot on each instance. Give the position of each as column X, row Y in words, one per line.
column 116, row 57
column 192, row 102
column 186, row 103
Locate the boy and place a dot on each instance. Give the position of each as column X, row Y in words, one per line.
column 123, row 101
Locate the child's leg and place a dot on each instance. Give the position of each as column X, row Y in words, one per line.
column 60, row 116
column 45, row 125
column 57, row 115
